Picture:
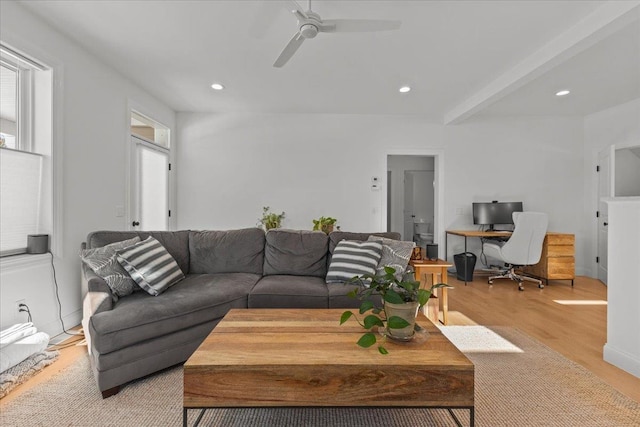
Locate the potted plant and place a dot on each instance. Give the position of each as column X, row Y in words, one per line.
column 324, row 224
column 402, row 298
column 270, row 220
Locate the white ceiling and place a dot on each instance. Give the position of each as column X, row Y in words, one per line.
column 460, row 57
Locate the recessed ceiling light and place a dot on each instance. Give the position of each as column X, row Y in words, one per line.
column 404, row 89
column 217, row 86
column 563, row 93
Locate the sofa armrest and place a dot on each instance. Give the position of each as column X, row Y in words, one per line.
column 97, row 296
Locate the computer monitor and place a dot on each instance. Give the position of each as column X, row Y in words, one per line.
column 495, row 213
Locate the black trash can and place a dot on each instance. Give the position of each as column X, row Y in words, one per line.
column 465, row 263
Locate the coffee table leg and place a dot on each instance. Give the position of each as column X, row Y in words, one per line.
column 472, row 417
column 185, row 418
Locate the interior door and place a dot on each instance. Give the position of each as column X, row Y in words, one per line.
column 408, row 213
column 605, row 189
column 151, row 187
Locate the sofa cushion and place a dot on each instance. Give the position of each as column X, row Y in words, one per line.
column 283, row 291
column 103, row 262
column 150, row 265
column 336, row 236
column 233, row 251
column 194, row 300
column 296, row 252
column 175, row 242
column 338, row 296
column 395, row 254
column 352, row 258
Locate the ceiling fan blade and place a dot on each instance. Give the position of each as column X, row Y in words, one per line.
column 293, row 7
column 289, row 50
column 357, row 25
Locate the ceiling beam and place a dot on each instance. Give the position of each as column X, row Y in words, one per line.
column 601, row 23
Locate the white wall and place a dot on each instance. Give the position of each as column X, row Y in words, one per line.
column 91, row 140
column 619, row 125
column 231, row 165
column 534, row 160
column 623, row 291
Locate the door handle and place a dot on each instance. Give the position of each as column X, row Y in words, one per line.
column 135, row 223
column 605, row 224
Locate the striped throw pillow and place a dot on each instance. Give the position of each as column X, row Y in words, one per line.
column 351, row 258
column 150, row 265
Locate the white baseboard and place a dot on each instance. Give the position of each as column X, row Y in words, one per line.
column 55, row 328
column 623, row 360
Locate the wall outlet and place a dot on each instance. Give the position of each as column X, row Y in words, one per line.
column 20, row 317
column 18, row 302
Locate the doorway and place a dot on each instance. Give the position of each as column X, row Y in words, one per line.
column 411, row 198
column 150, row 167
column 605, row 189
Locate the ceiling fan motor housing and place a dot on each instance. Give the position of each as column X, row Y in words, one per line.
column 308, row 31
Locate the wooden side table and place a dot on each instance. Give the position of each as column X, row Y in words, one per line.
column 437, row 267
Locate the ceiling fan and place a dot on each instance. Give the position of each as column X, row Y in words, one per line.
column 310, row 24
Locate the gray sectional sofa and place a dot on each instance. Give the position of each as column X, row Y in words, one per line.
column 140, row 334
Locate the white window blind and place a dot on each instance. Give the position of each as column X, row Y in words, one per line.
column 20, row 197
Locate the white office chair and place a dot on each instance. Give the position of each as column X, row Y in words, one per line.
column 524, row 247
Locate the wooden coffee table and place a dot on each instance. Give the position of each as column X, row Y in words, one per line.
column 304, row 357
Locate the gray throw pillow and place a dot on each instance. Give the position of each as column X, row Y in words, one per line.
column 103, row 262
column 351, row 258
column 151, row 266
column 395, row 253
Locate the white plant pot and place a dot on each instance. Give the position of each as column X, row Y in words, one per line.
column 407, row 311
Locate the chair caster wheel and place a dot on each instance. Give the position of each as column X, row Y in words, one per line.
column 490, row 282
column 541, row 286
column 520, row 288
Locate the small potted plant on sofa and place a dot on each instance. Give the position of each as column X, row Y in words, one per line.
column 270, row 220
column 402, row 298
column 324, row 224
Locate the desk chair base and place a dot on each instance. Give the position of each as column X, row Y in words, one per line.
column 511, row 274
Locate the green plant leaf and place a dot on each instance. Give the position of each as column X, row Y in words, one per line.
column 345, row 316
column 423, row 296
column 396, row 322
column 367, row 340
column 382, row 350
column 389, row 270
column 366, row 306
column 393, row 297
column 372, row 320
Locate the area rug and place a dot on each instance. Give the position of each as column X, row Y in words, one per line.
column 521, row 384
column 13, row 377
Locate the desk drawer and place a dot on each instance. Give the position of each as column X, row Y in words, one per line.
column 561, row 268
column 559, row 239
column 560, row 250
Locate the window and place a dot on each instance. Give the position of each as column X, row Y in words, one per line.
column 9, row 105
column 25, row 150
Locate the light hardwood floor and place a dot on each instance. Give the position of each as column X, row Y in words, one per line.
column 576, row 331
